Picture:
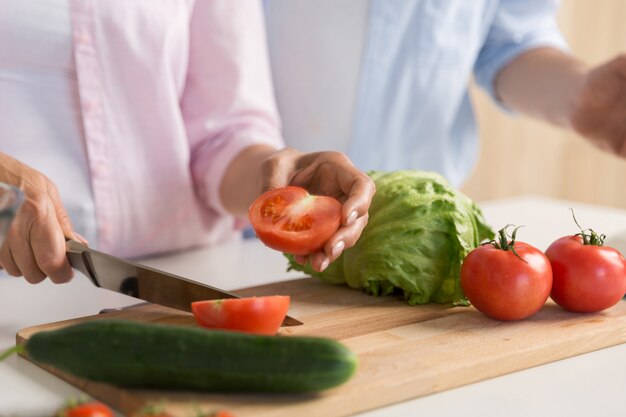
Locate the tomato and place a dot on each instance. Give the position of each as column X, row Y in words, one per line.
column 506, row 280
column 291, row 220
column 261, row 315
column 220, row 413
column 223, row 413
column 587, row 277
column 85, row 409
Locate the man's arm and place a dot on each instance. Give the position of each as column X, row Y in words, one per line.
column 551, row 85
column 542, row 83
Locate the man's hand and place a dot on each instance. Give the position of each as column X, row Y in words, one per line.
column 35, row 244
column 552, row 85
column 599, row 111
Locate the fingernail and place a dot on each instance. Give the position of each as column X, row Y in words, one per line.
column 324, row 264
column 80, row 238
column 338, row 248
column 351, row 218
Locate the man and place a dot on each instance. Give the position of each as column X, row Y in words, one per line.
column 387, row 81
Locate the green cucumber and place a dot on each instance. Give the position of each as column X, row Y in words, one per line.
column 148, row 355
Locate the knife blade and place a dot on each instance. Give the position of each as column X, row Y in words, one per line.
column 140, row 281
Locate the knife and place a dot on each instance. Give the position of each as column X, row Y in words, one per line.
column 139, row 281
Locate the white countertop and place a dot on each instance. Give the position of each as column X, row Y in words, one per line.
column 590, row 384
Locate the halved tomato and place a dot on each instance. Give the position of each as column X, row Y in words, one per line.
column 260, row 315
column 291, row 220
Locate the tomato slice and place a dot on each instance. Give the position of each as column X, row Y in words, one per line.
column 291, row 220
column 260, row 315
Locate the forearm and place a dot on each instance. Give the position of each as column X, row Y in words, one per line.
column 242, row 181
column 542, row 83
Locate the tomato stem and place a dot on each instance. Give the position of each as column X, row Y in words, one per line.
column 590, row 237
column 503, row 242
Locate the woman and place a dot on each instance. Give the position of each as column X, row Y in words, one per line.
column 151, row 125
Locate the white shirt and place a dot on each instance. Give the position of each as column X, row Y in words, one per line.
column 411, row 61
column 40, row 116
column 315, row 52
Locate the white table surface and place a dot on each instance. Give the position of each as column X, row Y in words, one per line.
column 592, row 384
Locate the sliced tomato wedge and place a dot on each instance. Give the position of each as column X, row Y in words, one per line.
column 291, row 220
column 260, row 315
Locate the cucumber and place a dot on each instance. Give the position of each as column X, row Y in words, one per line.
column 149, row 355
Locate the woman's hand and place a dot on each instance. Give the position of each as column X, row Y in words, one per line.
column 324, row 173
column 260, row 168
column 35, row 244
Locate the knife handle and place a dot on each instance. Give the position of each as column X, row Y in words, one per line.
column 78, row 258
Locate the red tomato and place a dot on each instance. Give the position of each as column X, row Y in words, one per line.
column 291, row 220
column 503, row 286
column 86, row 409
column 587, row 277
column 221, row 413
column 261, row 315
column 224, row 413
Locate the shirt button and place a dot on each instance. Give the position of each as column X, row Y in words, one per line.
column 98, row 169
column 82, row 37
column 89, row 106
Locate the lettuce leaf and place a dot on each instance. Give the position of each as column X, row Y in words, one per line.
column 420, row 229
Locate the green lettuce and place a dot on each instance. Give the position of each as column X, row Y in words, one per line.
column 420, row 229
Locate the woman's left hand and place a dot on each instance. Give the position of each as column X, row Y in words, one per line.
column 324, row 173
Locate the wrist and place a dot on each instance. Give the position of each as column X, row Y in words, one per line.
column 576, row 81
column 242, row 180
column 545, row 83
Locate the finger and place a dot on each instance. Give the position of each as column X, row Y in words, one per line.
column 24, row 259
column 81, row 238
column 7, row 261
column 319, row 261
column 48, row 246
column 277, row 170
column 360, row 196
column 301, row 259
column 16, row 254
column 346, row 237
column 618, row 64
column 62, row 217
column 41, row 240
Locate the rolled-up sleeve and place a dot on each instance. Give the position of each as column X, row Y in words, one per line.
column 518, row 26
column 228, row 100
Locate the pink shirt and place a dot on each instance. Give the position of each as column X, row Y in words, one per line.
column 170, row 93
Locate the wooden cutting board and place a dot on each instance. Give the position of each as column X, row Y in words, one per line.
column 404, row 352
